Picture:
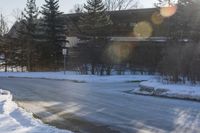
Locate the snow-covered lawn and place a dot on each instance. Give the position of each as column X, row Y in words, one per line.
column 77, row 77
column 15, row 120
column 156, row 88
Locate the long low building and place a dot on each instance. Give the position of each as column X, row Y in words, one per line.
column 124, row 22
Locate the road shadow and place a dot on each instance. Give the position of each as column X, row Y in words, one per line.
column 72, row 122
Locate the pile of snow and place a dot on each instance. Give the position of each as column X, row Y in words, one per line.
column 156, row 88
column 77, row 77
column 15, row 120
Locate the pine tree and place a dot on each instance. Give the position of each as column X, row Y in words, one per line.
column 185, row 22
column 54, row 33
column 189, row 21
column 95, row 25
column 27, row 33
column 95, row 22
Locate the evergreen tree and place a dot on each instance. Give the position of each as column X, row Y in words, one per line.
column 188, row 16
column 181, row 20
column 27, row 34
column 95, row 22
column 95, row 25
column 185, row 22
column 54, row 33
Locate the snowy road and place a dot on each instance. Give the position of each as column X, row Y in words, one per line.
column 102, row 108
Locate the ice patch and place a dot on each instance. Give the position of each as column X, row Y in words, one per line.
column 16, row 120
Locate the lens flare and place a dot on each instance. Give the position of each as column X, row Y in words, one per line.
column 119, row 52
column 168, row 11
column 157, row 18
column 143, row 30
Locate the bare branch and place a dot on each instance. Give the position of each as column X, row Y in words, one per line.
column 17, row 14
column 121, row 4
column 78, row 8
column 3, row 25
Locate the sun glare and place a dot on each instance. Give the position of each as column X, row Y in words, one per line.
column 119, row 52
column 168, row 11
column 157, row 18
column 143, row 30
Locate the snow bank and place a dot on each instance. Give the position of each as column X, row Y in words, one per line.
column 76, row 77
column 15, row 120
column 157, row 88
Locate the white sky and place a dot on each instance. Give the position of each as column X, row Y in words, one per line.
column 7, row 6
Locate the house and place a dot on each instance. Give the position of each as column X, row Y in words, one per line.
column 124, row 22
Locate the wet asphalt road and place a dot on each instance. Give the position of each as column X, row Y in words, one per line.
column 102, row 107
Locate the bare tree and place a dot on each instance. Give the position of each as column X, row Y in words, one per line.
column 121, row 4
column 3, row 26
column 161, row 3
column 17, row 14
column 78, row 8
column 3, row 47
